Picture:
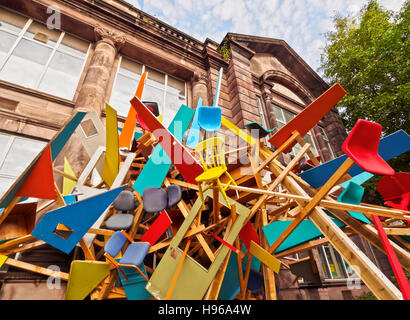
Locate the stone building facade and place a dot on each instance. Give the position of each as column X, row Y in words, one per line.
column 95, row 55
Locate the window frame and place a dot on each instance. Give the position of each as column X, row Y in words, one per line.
column 293, row 152
column 143, row 67
column 54, row 49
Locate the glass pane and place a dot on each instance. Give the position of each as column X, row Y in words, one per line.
column 21, row 153
column 11, row 21
column 278, row 113
column 62, row 75
column 176, row 86
column 26, row 63
column 74, row 45
column 42, row 34
column 323, row 263
column 6, row 42
column 155, row 78
column 122, row 92
column 172, row 105
column 288, row 116
column 308, row 138
column 131, row 68
column 154, row 95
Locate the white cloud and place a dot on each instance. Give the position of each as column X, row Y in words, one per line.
column 301, row 23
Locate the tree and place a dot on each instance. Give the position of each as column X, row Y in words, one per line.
column 369, row 56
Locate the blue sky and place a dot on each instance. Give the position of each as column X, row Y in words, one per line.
column 301, row 23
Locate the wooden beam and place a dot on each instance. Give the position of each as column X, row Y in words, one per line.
column 375, row 280
column 30, row 267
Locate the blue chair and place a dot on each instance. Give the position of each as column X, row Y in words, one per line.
column 209, row 118
column 132, row 257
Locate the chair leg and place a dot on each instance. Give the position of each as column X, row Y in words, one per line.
column 223, row 193
column 201, row 195
column 233, row 181
column 119, row 269
column 139, row 270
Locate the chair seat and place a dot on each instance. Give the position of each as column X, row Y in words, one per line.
column 135, row 253
column 119, row 221
column 373, row 163
column 210, row 174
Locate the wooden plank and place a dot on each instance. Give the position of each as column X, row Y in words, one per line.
column 265, row 257
column 268, row 276
column 374, row 279
column 112, row 156
column 309, row 117
column 127, row 132
column 36, row 269
column 331, row 204
column 398, row 231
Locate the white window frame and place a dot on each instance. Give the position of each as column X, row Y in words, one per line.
column 293, row 151
column 164, row 98
column 327, row 142
column 55, row 49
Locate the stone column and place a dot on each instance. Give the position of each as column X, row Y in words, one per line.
column 92, row 94
column 199, row 89
column 269, row 110
column 93, row 91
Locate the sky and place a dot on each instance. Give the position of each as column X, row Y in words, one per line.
column 301, row 23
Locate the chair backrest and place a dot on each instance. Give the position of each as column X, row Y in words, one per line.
column 211, row 152
column 362, row 146
column 353, row 193
column 125, row 201
column 154, row 199
column 174, row 195
column 209, row 118
column 115, row 243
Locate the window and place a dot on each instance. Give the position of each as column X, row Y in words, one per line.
column 167, row 91
column 16, row 153
column 327, row 143
column 282, row 117
column 35, row 57
column 333, row 265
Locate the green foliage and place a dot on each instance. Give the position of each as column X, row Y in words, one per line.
column 369, row 56
column 371, row 296
column 225, row 49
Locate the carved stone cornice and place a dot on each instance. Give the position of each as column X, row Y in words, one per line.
column 115, row 39
column 199, row 78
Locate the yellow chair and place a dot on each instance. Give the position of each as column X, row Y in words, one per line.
column 212, row 156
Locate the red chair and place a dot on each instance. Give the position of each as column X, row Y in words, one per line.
column 362, row 147
column 395, row 190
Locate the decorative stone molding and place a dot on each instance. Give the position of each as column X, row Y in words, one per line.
column 117, row 40
column 291, row 82
column 199, row 78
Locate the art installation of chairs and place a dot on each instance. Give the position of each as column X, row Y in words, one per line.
column 212, row 156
